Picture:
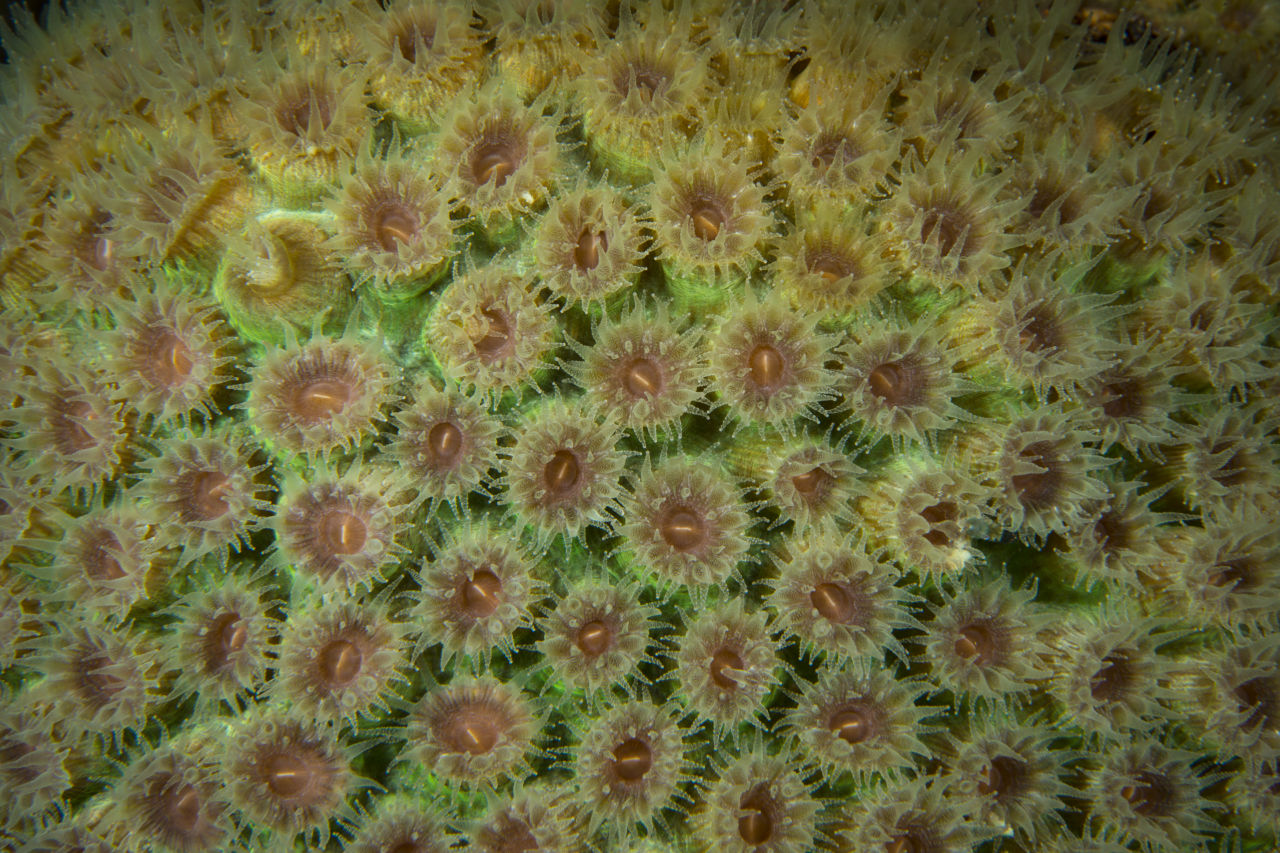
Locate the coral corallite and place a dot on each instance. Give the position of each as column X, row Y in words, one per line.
column 639, row 425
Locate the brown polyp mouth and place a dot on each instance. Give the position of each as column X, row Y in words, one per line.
column 766, row 366
column 182, row 808
column 1237, row 574
column 411, row 846
column 473, row 729
column 100, row 563
column 632, row 759
column 642, row 77
column 340, row 662
column 1259, row 700
column 498, row 339
column 444, row 443
column 853, row 723
column 1151, row 794
column 831, row 266
column 1112, row 532
column 481, row 594
column 290, row 777
column 594, row 638
column 829, row 148
column 814, row 484
column 832, row 602
column 206, row 495
column 891, row 383
column 169, row 360
column 321, row 399
column 949, row 226
column 71, row 435
column 342, row 532
column 757, row 825
column 1004, row 776
column 226, row 635
column 93, row 247
column 590, row 247
column 562, row 473
column 936, row 515
column 413, row 32
column 683, row 529
column 303, row 108
column 642, row 377
column 1113, row 679
column 1041, row 333
column 1125, row 397
column 493, row 160
column 707, row 218
column 977, row 642
column 394, row 225
column 723, row 663
column 1039, row 488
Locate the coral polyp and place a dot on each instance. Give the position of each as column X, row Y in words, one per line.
column 565, row 471
column 836, row 598
column 639, row 425
column 710, row 219
column 302, row 123
column 423, row 54
column 210, row 483
column 447, row 443
column 597, row 634
column 393, row 225
column 811, row 485
column 685, row 524
column 222, row 642
column 760, row 802
column 288, row 776
column 70, row 428
column 104, row 560
column 502, row 156
column 338, row 661
column 339, row 532
column 169, row 355
column 861, row 722
column 172, row 797
column 402, row 825
column 491, row 331
column 590, row 244
column 645, row 368
column 473, row 733
column 642, row 92
column 315, row 397
column 276, row 276
column 477, row 590
column 831, row 263
column 983, row 643
column 630, row 766
column 726, row 664
column 947, row 222
column 768, row 364
column 899, row 381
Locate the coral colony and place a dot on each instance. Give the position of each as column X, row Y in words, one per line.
column 696, row 425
